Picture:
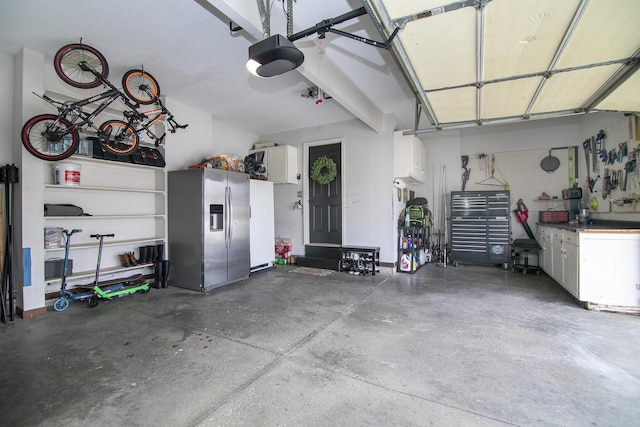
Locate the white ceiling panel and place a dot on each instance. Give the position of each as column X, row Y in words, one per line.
column 442, row 57
column 624, row 98
column 457, row 105
column 567, row 91
column 608, row 30
column 508, row 98
column 522, row 36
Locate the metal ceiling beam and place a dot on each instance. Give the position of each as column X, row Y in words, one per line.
column 620, row 76
column 577, row 17
column 385, row 25
column 403, row 20
column 480, row 21
column 547, row 74
column 498, row 121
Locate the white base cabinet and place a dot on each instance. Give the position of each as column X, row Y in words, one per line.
column 597, row 267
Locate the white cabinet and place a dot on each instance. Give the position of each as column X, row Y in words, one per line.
column 544, row 240
column 557, row 267
column 408, row 163
column 608, row 268
column 121, row 198
column 598, row 267
column 281, row 163
column 261, row 224
column 570, row 263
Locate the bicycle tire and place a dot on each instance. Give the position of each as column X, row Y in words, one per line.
column 135, row 83
column 47, row 143
column 67, row 64
column 122, row 138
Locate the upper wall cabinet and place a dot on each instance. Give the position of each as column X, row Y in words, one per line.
column 408, row 163
column 281, row 163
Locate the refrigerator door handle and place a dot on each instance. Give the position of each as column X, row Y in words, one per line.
column 230, row 209
column 227, row 217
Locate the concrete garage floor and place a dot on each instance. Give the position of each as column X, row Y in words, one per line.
column 472, row 345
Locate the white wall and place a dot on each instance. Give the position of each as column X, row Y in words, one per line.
column 368, row 163
column 6, row 109
column 204, row 137
column 518, row 149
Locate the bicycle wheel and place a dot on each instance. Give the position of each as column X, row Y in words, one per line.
column 68, row 64
column 120, row 138
column 140, row 86
column 49, row 137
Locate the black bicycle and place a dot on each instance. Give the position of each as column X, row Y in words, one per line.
column 56, row 137
column 145, row 121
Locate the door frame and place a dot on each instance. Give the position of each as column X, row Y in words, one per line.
column 305, row 185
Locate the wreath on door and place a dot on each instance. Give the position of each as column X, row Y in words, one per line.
column 324, row 170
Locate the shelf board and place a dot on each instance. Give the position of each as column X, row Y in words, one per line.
column 107, row 243
column 88, row 188
column 104, row 217
column 92, row 273
column 82, row 158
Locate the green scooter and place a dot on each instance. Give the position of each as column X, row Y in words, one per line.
column 96, row 292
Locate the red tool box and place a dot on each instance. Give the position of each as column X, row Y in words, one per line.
column 554, row 216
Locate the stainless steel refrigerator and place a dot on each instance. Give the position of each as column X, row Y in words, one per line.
column 208, row 222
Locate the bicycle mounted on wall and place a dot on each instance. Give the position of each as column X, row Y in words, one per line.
column 56, row 137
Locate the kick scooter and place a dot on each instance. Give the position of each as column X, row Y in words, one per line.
column 96, row 291
column 107, row 293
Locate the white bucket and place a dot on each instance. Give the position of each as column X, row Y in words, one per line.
column 67, row 174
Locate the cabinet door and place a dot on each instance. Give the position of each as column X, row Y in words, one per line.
column 570, row 263
column 407, row 158
column 548, row 252
column 417, row 171
column 542, row 241
column 556, row 256
column 281, row 164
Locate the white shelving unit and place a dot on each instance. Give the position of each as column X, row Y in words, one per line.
column 125, row 199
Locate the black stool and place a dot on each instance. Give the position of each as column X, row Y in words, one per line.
column 525, row 246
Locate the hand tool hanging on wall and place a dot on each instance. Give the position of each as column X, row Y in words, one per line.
column 630, row 166
column 606, row 184
column 9, row 176
column 588, row 149
column 466, row 171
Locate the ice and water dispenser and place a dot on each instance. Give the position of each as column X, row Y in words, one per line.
column 216, row 221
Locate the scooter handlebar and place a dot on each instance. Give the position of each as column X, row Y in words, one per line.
column 97, row 236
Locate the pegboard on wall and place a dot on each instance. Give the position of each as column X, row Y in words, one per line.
column 614, row 171
column 521, row 173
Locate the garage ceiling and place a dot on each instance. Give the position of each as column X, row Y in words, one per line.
column 477, row 62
